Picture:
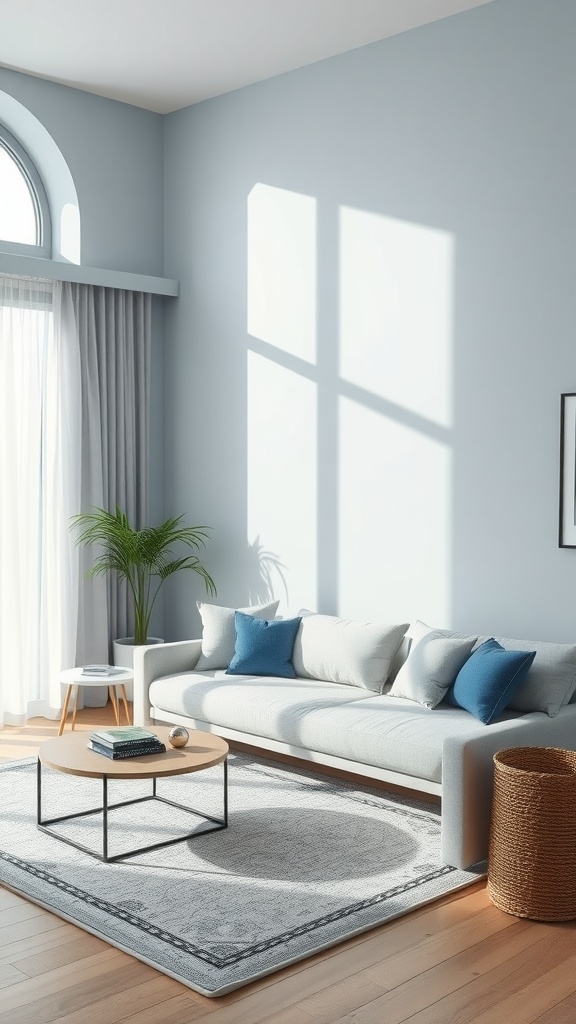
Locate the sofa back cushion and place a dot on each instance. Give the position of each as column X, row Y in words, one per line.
column 219, row 632
column 551, row 679
column 345, row 651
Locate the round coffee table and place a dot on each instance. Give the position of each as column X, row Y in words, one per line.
column 73, row 678
column 70, row 754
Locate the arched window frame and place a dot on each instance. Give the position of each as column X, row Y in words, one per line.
column 43, row 247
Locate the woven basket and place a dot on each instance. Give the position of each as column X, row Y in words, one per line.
column 532, row 856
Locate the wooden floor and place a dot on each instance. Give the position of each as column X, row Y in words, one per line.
column 457, row 961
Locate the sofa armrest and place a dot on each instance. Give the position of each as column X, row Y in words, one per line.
column 159, row 660
column 468, row 776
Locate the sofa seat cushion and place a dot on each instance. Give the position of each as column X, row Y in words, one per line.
column 388, row 732
column 260, row 705
column 393, row 733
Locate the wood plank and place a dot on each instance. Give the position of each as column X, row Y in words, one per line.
column 9, row 975
column 63, row 933
column 22, row 911
column 66, row 997
column 538, row 997
column 177, row 1010
column 485, row 995
column 10, row 899
column 145, row 1001
column 50, row 958
column 293, row 1015
column 36, row 923
column 341, row 998
column 563, row 1013
column 436, row 948
column 58, row 980
column 465, row 986
column 410, row 962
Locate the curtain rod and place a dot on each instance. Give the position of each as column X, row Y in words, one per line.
column 33, row 266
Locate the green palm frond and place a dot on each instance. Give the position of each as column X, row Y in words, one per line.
column 143, row 558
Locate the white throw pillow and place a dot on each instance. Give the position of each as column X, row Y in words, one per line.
column 345, row 651
column 219, row 632
column 431, row 668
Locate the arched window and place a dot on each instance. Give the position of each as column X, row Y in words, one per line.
column 24, row 213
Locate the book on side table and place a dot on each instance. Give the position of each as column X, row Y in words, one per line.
column 102, row 670
column 127, row 741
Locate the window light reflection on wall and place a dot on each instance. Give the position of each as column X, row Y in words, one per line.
column 282, row 269
column 396, row 302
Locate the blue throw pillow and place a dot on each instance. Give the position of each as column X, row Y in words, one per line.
column 263, row 648
column 488, row 680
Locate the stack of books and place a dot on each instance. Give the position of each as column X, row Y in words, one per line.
column 126, row 741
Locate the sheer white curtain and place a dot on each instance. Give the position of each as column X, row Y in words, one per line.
column 40, row 486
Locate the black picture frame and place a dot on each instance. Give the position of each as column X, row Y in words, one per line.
column 567, row 511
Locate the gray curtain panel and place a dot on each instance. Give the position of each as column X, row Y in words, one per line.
column 114, row 331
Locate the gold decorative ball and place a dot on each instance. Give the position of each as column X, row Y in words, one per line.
column 178, row 736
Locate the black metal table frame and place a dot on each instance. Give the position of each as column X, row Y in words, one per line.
column 220, row 823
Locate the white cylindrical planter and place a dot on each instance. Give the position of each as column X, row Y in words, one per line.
column 124, row 656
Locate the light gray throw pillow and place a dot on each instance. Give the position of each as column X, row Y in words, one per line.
column 431, row 667
column 219, row 632
column 345, row 650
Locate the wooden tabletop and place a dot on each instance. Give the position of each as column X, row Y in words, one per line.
column 70, row 754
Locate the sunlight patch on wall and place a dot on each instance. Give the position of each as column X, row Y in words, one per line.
column 396, row 310
column 395, row 508
column 282, row 472
column 282, row 269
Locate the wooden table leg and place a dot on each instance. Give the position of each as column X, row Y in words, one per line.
column 76, row 688
column 112, row 692
column 125, row 702
column 64, row 710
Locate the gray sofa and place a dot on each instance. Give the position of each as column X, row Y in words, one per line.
column 446, row 752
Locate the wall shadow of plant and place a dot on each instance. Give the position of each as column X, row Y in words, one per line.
column 263, row 570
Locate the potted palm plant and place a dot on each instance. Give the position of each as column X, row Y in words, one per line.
column 143, row 558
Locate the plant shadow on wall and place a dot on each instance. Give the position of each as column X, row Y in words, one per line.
column 143, row 559
column 262, row 569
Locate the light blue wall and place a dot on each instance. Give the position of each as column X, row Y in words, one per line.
column 115, row 154
column 448, row 154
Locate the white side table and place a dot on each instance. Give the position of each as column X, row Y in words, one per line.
column 74, row 678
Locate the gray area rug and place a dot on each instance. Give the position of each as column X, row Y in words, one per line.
column 306, row 862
